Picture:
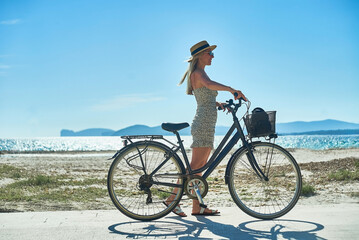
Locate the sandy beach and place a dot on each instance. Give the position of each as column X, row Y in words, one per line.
column 77, row 180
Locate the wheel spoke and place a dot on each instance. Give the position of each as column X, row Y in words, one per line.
column 129, row 185
column 265, row 199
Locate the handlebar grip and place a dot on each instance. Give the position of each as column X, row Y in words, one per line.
column 240, row 99
column 236, row 95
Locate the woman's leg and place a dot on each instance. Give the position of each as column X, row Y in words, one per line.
column 200, row 156
column 177, row 210
column 199, row 159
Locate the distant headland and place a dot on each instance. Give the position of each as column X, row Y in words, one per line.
column 324, row 127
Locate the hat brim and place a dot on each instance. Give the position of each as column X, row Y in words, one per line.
column 210, row 47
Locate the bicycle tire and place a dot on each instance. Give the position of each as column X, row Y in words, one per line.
column 126, row 186
column 257, row 197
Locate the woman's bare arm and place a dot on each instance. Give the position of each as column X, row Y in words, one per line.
column 202, row 80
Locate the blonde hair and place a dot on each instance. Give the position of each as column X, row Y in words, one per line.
column 191, row 68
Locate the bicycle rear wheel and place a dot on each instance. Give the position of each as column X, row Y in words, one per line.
column 136, row 190
column 257, row 197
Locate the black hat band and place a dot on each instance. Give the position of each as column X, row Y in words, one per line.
column 199, row 49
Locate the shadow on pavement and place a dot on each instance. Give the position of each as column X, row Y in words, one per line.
column 282, row 229
column 204, row 227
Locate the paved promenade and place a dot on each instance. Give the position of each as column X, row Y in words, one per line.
column 303, row 222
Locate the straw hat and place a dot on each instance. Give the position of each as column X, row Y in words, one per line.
column 200, row 47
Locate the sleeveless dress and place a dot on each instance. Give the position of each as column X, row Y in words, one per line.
column 204, row 122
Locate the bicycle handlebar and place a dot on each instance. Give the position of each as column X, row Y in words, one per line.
column 230, row 103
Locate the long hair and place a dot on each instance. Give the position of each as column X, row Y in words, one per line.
column 192, row 66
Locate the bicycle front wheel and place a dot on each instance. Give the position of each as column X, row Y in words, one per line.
column 265, row 199
column 142, row 177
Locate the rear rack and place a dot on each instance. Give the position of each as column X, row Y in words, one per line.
column 150, row 137
column 142, row 137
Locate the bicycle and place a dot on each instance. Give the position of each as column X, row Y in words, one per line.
column 263, row 178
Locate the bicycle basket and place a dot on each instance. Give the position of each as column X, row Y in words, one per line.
column 260, row 123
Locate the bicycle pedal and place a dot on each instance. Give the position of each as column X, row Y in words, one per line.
column 202, row 205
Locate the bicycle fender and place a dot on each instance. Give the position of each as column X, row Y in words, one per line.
column 234, row 155
column 118, row 152
column 122, row 149
column 230, row 162
column 168, row 149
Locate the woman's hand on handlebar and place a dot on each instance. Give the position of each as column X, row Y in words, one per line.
column 222, row 106
column 238, row 94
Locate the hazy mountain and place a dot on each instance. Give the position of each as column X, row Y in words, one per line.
column 329, row 124
column 146, row 130
column 87, row 132
column 315, row 127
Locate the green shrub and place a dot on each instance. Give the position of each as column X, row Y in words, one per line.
column 307, row 190
column 356, row 163
column 11, row 171
column 38, row 180
column 344, row 175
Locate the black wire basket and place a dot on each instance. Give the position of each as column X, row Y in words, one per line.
column 260, row 124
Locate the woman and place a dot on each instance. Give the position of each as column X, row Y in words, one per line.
column 203, row 126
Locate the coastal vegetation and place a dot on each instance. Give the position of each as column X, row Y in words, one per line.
column 47, row 192
column 307, row 190
column 344, row 174
column 79, row 187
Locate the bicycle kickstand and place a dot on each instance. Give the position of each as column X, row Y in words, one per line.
column 199, row 197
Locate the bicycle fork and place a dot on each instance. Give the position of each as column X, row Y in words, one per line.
column 255, row 166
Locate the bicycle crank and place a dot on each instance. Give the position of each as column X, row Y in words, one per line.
column 196, row 183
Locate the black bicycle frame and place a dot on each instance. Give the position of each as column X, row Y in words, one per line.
column 219, row 154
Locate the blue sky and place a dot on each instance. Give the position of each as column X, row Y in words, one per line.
column 111, row 64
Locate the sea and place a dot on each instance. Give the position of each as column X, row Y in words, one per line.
column 60, row 144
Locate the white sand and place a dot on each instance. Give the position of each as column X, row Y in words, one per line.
column 96, row 165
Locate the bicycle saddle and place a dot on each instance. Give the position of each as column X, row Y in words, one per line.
column 171, row 127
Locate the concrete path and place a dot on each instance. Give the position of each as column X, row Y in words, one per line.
column 303, row 222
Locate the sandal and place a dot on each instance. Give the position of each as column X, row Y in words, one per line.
column 202, row 213
column 177, row 210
